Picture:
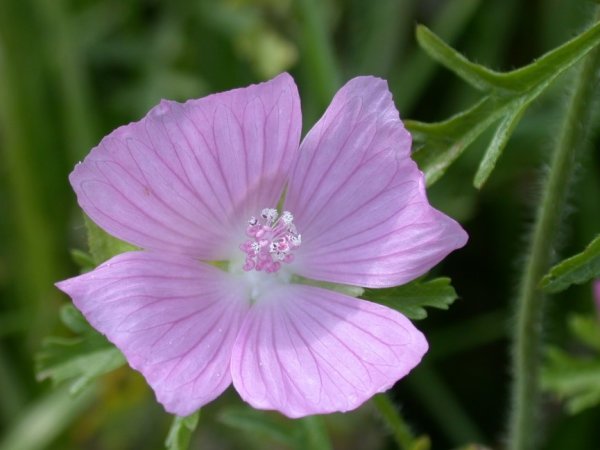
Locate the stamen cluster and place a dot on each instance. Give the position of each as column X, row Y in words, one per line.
column 272, row 240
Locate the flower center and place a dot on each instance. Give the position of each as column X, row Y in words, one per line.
column 272, row 240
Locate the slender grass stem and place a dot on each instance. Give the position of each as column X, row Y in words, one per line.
column 523, row 422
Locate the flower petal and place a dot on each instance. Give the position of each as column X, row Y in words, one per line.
column 305, row 350
column 187, row 176
column 174, row 319
column 358, row 199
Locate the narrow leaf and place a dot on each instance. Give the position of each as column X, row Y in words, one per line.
column 477, row 76
column 74, row 320
column 438, row 145
column 498, row 143
column 574, row 270
column 83, row 260
column 547, row 67
column 412, row 298
column 181, row 431
column 79, row 360
column 556, row 61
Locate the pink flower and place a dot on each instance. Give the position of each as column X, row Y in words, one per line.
column 200, row 181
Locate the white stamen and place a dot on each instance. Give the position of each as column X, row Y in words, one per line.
column 271, row 242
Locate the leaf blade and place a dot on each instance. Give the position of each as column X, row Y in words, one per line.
column 498, row 143
column 412, row 298
column 478, row 76
column 577, row 269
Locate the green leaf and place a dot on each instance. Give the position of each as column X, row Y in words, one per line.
column 102, row 245
column 498, row 143
column 83, row 260
column 479, row 77
column 586, row 329
column 574, row 270
column 74, row 320
column 519, row 80
column 181, row 431
column 507, row 95
column 261, row 425
column 79, row 360
column 438, row 145
column 412, row 298
column 574, row 380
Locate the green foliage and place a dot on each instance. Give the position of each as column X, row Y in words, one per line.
column 412, row 298
column 507, row 95
column 576, row 379
column 46, row 418
column 102, row 245
column 260, row 426
column 79, row 360
column 402, row 434
column 574, row 270
column 181, row 432
column 83, row 260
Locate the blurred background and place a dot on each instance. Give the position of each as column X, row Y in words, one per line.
column 73, row 70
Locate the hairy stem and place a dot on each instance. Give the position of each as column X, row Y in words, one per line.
column 400, row 430
column 523, row 421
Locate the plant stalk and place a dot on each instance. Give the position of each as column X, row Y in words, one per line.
column 399, row 428
column 527, row 335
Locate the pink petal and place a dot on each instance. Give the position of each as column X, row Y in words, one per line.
column 358, row 199
column 187, row 176
column 305, row 350
column 174, row 319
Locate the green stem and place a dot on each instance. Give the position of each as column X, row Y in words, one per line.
column 316, row 434
column 523, row 421
column 401, row 431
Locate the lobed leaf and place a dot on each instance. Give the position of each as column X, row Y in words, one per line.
column 79, row 360
column 507, row 97
column 412, row 298
column 574, row 270
column 438, row 145
column 574, row 380
column 478, row 76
